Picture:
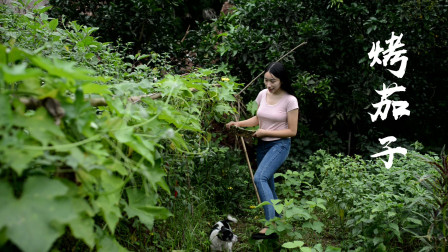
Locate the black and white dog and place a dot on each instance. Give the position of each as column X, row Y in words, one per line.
column 222, row 237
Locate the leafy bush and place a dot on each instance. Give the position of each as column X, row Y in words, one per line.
column 145, row 23
column 437, row 185
column 69, row 168
column 83, row 159
column 68, row 40
column 297, row 218
column 374, row 206
column 334, row 81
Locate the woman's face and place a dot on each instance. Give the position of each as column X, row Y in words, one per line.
column 272, row 83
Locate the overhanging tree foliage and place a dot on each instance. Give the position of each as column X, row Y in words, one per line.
column 335, row 84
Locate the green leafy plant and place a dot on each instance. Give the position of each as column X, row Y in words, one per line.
column 372, row 205
column 62, row 147
column 437, row 186
column 294, row 183
column 108, row 166
column 296, row 219
column 68, row 40
column 112, row 159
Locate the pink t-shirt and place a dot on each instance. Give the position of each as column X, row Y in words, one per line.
column 274, row 117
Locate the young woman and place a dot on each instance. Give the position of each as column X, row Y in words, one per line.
column 277, row 117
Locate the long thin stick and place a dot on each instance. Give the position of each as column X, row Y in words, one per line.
column 250, row 169
column 186, row 33
column 248, row 162
column 284, row 55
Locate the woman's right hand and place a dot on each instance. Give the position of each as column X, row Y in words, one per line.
column 232, row 123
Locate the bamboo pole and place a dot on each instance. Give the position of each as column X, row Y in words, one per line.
column 283, row 56
column 250, row 169
column 248, row 160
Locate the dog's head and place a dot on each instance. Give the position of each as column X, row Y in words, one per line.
column 225, row 234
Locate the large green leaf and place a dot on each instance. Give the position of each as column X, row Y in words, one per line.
column 142, row 206
column 223, row 108
column 36, row 219
column 115, row 165
column 179, row 119
column 294, row 244
column 65, row 69
column 18, row 159
column 278, row 207
column 332, row 249
column 19, row 72
column 299, row 213
column 155, row 175
column 53, row 24
column 109, row 209
column 3, row 236
column 16, row 55
column 144, row 148
column 78, row 158
column 41, row 127
column 108, row 201
column 196, row 83
column 82, row 228
column 226, row 94
column 5, row 112
column 6, row 192
column 109, row 244
column 3, row 55
column 124, row 134
column 316, row 226
column 92, row 88
column 252, row 107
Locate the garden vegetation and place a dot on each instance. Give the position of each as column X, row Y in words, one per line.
column 119, row 144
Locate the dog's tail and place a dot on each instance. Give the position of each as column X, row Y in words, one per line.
column 232, row 219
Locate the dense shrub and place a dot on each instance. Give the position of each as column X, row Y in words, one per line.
column 334, row 82
column 75, row 172
column 370, row 207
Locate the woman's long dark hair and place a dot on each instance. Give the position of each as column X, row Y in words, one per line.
column 279, row 71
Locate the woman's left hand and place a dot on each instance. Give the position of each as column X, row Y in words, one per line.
column 260, row 133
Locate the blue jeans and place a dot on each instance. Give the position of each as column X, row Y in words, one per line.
column 270, row 156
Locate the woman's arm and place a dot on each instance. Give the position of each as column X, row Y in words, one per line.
column 291, row 131
column 251, row 122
